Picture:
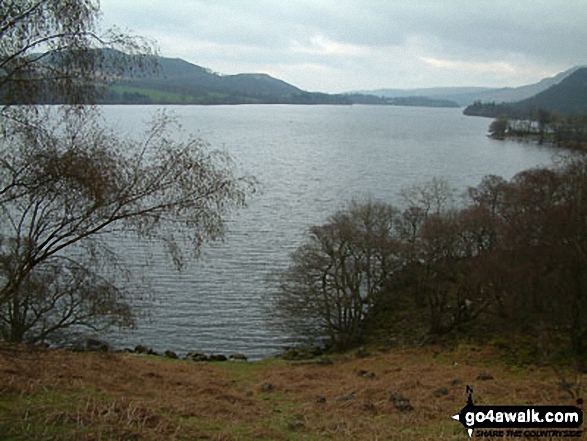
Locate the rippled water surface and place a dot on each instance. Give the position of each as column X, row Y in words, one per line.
column 309, row 160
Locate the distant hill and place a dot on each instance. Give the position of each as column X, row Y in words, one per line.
column 567, row 97
column 510, row 95
column 176, row 81
column 179, row 82
column 422, row 101
column 460, row 95
column 160, row 80
column 408, row 101
column 465, row 96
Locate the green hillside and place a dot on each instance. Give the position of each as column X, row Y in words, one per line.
column 176, row 81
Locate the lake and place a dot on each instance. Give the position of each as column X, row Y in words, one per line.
column 310, row 161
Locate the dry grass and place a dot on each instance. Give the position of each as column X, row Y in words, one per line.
column 62, row 395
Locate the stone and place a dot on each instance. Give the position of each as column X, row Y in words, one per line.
column 321, row 400
column 95, row 345
column 197, row 356
column 171, row 354
column 566, row 385
column 141, row 349
column 441, row 392
column 267, row 387
column 290, row 354
column 238, row 357
column 324, row 361
column 346, row 397
column 370, row 407
column 400, row 402
column 296, row 425
column 297, row 354
column 362, row 352
column 484, row 377
column 217, row 357
column 456, row 382
column 366, row 374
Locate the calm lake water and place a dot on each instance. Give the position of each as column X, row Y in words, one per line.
column 309, row 160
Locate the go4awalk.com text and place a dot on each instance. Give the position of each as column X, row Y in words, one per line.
column 520, row 421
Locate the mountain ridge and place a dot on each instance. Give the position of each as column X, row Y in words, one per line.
column 567, row 97
column 468, row 95
column 177, row 81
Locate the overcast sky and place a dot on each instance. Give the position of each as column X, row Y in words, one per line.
column 342, row 45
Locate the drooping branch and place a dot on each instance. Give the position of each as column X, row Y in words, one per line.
column 73, row 187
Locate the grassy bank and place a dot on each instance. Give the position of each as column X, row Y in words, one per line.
column 62, row 395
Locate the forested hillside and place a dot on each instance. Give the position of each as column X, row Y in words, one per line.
column 566, row 98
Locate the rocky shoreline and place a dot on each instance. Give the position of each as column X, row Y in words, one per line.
column 93, row 345
column 192, row 355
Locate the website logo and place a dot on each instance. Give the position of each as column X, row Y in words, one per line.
column 553, row 421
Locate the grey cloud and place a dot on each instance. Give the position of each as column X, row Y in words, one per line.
column 272, row 33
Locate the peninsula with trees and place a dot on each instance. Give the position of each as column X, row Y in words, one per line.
column 557, row 115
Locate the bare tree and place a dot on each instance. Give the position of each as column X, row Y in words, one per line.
column 63, row 190
column 67, row 182
column 430, row 198
column 49, row 50
column 336, row 276
column 510, row 263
